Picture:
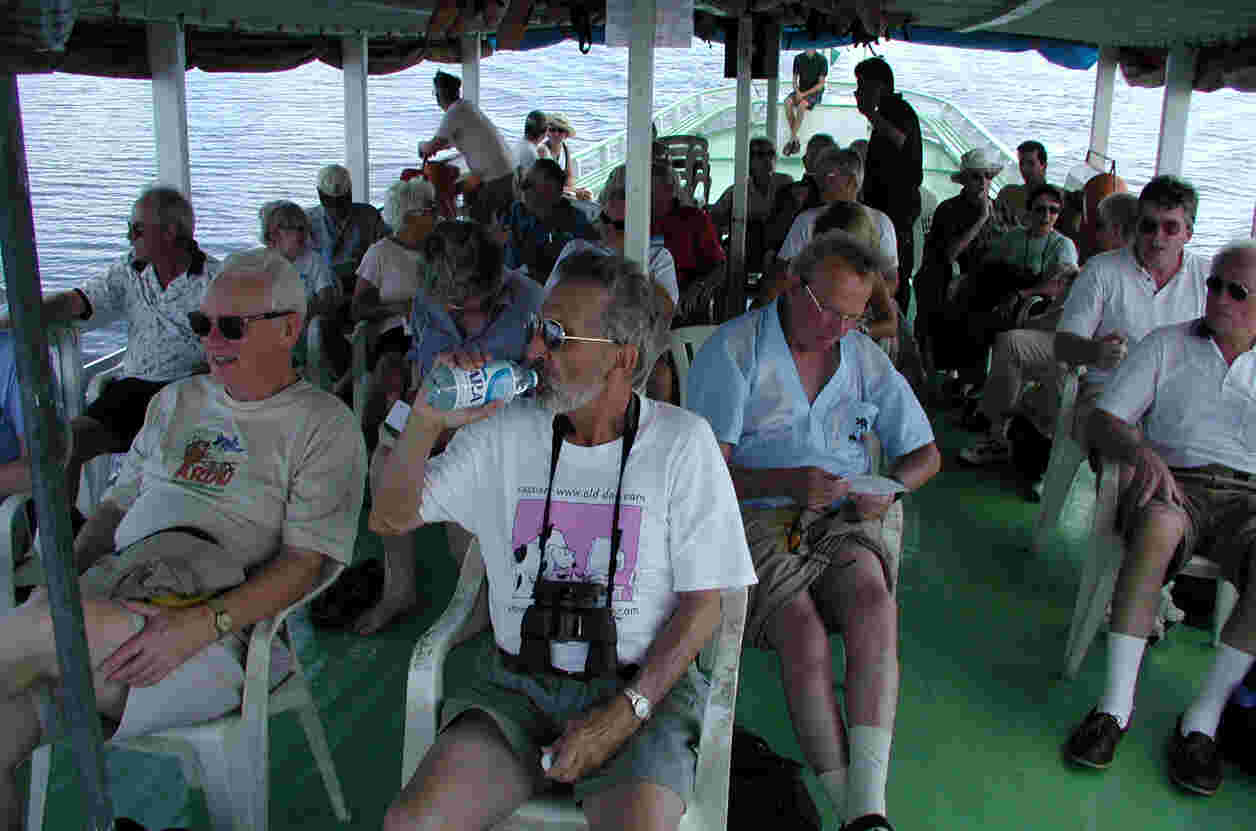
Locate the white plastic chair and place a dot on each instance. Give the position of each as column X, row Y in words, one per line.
column 684, row 344
column 96, row 473
column 1099, row 574
column 317, row 371
column 230, row 755
column 690, row 156
column 467, row 614
column 1066, row 457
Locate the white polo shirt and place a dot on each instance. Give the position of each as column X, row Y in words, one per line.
column 1195, row 409
column 800, row 234
column 1116, row 294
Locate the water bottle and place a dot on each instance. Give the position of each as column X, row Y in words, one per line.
column 449, row 388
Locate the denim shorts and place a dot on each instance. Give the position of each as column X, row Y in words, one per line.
column 531, row 710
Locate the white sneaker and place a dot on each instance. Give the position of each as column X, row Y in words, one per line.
column 988, row 451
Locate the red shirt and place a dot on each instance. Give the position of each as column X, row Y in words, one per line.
column 691, row 239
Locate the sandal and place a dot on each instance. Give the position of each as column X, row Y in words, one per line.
column 868, row 822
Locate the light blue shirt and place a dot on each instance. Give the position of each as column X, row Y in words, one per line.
column 745, row 382
column 434, row 331
column 12, row 423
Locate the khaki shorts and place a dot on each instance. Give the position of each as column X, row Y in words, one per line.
column 790, row 554
column 531, row 710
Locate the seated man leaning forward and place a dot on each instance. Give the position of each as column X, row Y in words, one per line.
column 1191, row 388
column 240, row 488
column 793, row 391
column 543, row 487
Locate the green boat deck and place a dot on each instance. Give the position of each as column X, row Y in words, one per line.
column 982, row 712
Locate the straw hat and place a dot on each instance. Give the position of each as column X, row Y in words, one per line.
column 980, row 159
column 560, row 121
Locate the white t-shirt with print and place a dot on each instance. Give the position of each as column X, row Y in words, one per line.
column 396, row 271
column 681, row 527
column 160, row 345
column 287, row 470
column 800, row 234
column 477, row 139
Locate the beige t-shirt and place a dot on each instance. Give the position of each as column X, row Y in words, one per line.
column 257, row 475
column 396, row 271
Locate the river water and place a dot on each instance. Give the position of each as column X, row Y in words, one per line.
column 259, row 137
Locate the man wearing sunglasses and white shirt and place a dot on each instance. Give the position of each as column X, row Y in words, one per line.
column 596, row 488
column 1180, row 412
column 793, row 391
column 242, row 486
column 153, row 286
column 1123, row 295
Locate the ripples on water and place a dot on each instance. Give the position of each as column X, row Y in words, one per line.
column 260, row 137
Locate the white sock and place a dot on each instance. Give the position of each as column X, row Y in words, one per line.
column 834, row 782
column 1227, row 673
column 1125, row 654
column 869, row 770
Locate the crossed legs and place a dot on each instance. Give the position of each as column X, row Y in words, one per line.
column 855, row 599
column 28, row 662
column 472, row 779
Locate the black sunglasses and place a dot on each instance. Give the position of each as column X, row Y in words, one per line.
column 605, row 219
column 1237, row 291
column 231, row 326
column 552, row 333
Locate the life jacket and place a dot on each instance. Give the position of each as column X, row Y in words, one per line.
column 1096, row 189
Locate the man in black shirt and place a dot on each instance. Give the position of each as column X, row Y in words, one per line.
column 895, row 165
column 811, row 70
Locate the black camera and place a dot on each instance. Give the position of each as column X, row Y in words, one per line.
column 568, row 611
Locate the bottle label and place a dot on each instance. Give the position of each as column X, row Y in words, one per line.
column 489, row 383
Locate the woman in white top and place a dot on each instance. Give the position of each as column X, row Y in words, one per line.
column 388, row 278
column 555, row 143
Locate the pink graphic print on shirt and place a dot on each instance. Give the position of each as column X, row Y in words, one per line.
column 579, row 547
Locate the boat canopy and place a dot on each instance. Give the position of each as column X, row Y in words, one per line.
column 108, row 38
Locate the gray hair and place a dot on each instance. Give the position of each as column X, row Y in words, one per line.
column 172, row 208
column 1120, row 210
column 847, row 162
column 1237, row 250
column 632, row 315
column 464, row 261
column 287, row 289
column 416, row 196
column 281, row 212
column 861, row 257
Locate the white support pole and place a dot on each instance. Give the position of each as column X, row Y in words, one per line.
column 772, row 123
column 167, row 60
column 471, row 67
column 735, row 286
column 1101, row 114
column 640, row 121
column 357, row 145
column 1179, row 78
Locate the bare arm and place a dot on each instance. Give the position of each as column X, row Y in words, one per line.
column 61, row 307
column 433, row 146
column 916, row 468
column 1123, row 442
column 805, row 485
column 819, row 85
column 591, row 739
column 398, row 491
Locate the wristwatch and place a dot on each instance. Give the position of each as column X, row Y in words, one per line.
column 640, row 704
column 222, row 618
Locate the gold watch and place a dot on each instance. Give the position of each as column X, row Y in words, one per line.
column 222, row 618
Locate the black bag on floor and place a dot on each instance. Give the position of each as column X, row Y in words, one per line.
column 357, row 589
column 1236, row 736
column 1031, row 450
column 766, row 790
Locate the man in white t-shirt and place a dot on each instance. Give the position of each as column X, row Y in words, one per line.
column 840, row 176
column 543, row 487
column 152, row 287
column 1123, row 295
column 532, row 146
column 241, row 488
column 467, row 128
column 1181, row 413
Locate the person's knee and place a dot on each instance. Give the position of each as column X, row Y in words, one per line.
column 1160, row 527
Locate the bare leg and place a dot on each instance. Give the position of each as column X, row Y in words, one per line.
column 1137, row 596
column 28, row 659
column 452, row 790
column 791, row 116
column 89, row 439
column 637, row 806
column 799, row 637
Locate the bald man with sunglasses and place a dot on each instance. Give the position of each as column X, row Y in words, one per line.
column 243, row 486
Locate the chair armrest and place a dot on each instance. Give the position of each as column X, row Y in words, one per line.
column 425, row 685
column 721, row 659
column 316, row 370
column 12, row 523
column 1068, row 402
column 358, row 366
